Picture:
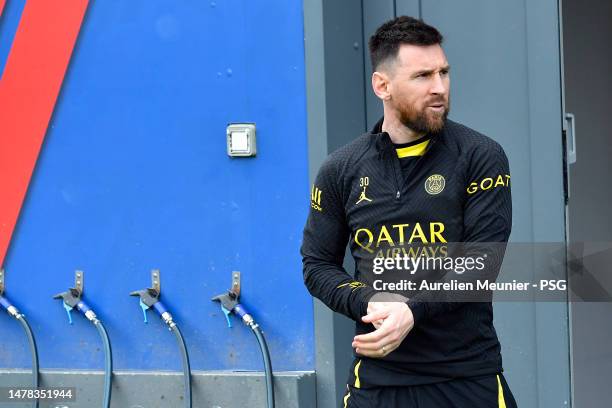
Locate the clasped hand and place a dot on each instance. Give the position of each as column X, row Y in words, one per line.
column 392, row 319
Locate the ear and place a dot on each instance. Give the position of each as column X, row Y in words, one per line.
column 380, row 85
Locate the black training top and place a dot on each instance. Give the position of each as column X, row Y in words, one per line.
column 454, row 187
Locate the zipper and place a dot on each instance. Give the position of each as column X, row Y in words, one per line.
column 415, row 168
column 395, row 169
column 397, row 172
column 389, row 154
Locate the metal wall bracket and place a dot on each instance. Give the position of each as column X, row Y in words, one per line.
column 155, row 281
column 570, row 126
column 78, row 281
column 236, row 283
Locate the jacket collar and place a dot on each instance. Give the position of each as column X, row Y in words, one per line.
column 383, row 140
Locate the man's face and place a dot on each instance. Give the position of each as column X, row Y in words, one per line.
column 419, row 86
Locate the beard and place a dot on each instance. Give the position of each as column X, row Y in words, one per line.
column 424, row 120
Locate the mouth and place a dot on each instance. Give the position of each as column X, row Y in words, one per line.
column 437, row 107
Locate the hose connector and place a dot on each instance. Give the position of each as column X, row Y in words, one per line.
column 247, row 319
column 4, row 302
column 167, row 318
column 91, row 316
column 12, row 310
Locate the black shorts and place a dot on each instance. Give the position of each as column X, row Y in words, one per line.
column 490, row 391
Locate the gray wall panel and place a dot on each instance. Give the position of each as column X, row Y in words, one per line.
column 375, row 13
column 588, row 62
column 587, row 39
column 344, row 72
column 336, row 115
column 408, row 8
column 544, row 76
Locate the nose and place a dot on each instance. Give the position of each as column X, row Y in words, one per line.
column 439, row 85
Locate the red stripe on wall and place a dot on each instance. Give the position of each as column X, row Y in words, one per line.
column 32, row 78
column 1, row 6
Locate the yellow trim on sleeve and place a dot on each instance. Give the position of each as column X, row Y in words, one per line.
column 346, row 398
column 354, row 285
column 416, row 150
column 501, row 402
column 357, row 382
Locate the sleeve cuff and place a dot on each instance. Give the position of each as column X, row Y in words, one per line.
column 418, row 310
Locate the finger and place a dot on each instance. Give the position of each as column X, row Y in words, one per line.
column 385, row 338
column 385, row 328
column 372, row 347
column 376, row 315
column 385, row 341
column 369, row 353
column 378, row 352
column 378, row 323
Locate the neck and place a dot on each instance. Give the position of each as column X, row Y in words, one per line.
column 398, row 132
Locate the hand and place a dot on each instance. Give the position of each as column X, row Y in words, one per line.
column 379, row 302
column 393, row 321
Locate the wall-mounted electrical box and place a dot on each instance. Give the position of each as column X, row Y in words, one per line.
column 241, row 140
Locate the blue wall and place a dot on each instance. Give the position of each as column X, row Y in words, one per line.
column 134, row 175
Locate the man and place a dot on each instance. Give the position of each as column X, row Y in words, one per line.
column 416, row 178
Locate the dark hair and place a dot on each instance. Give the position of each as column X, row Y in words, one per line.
column 386, row 41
